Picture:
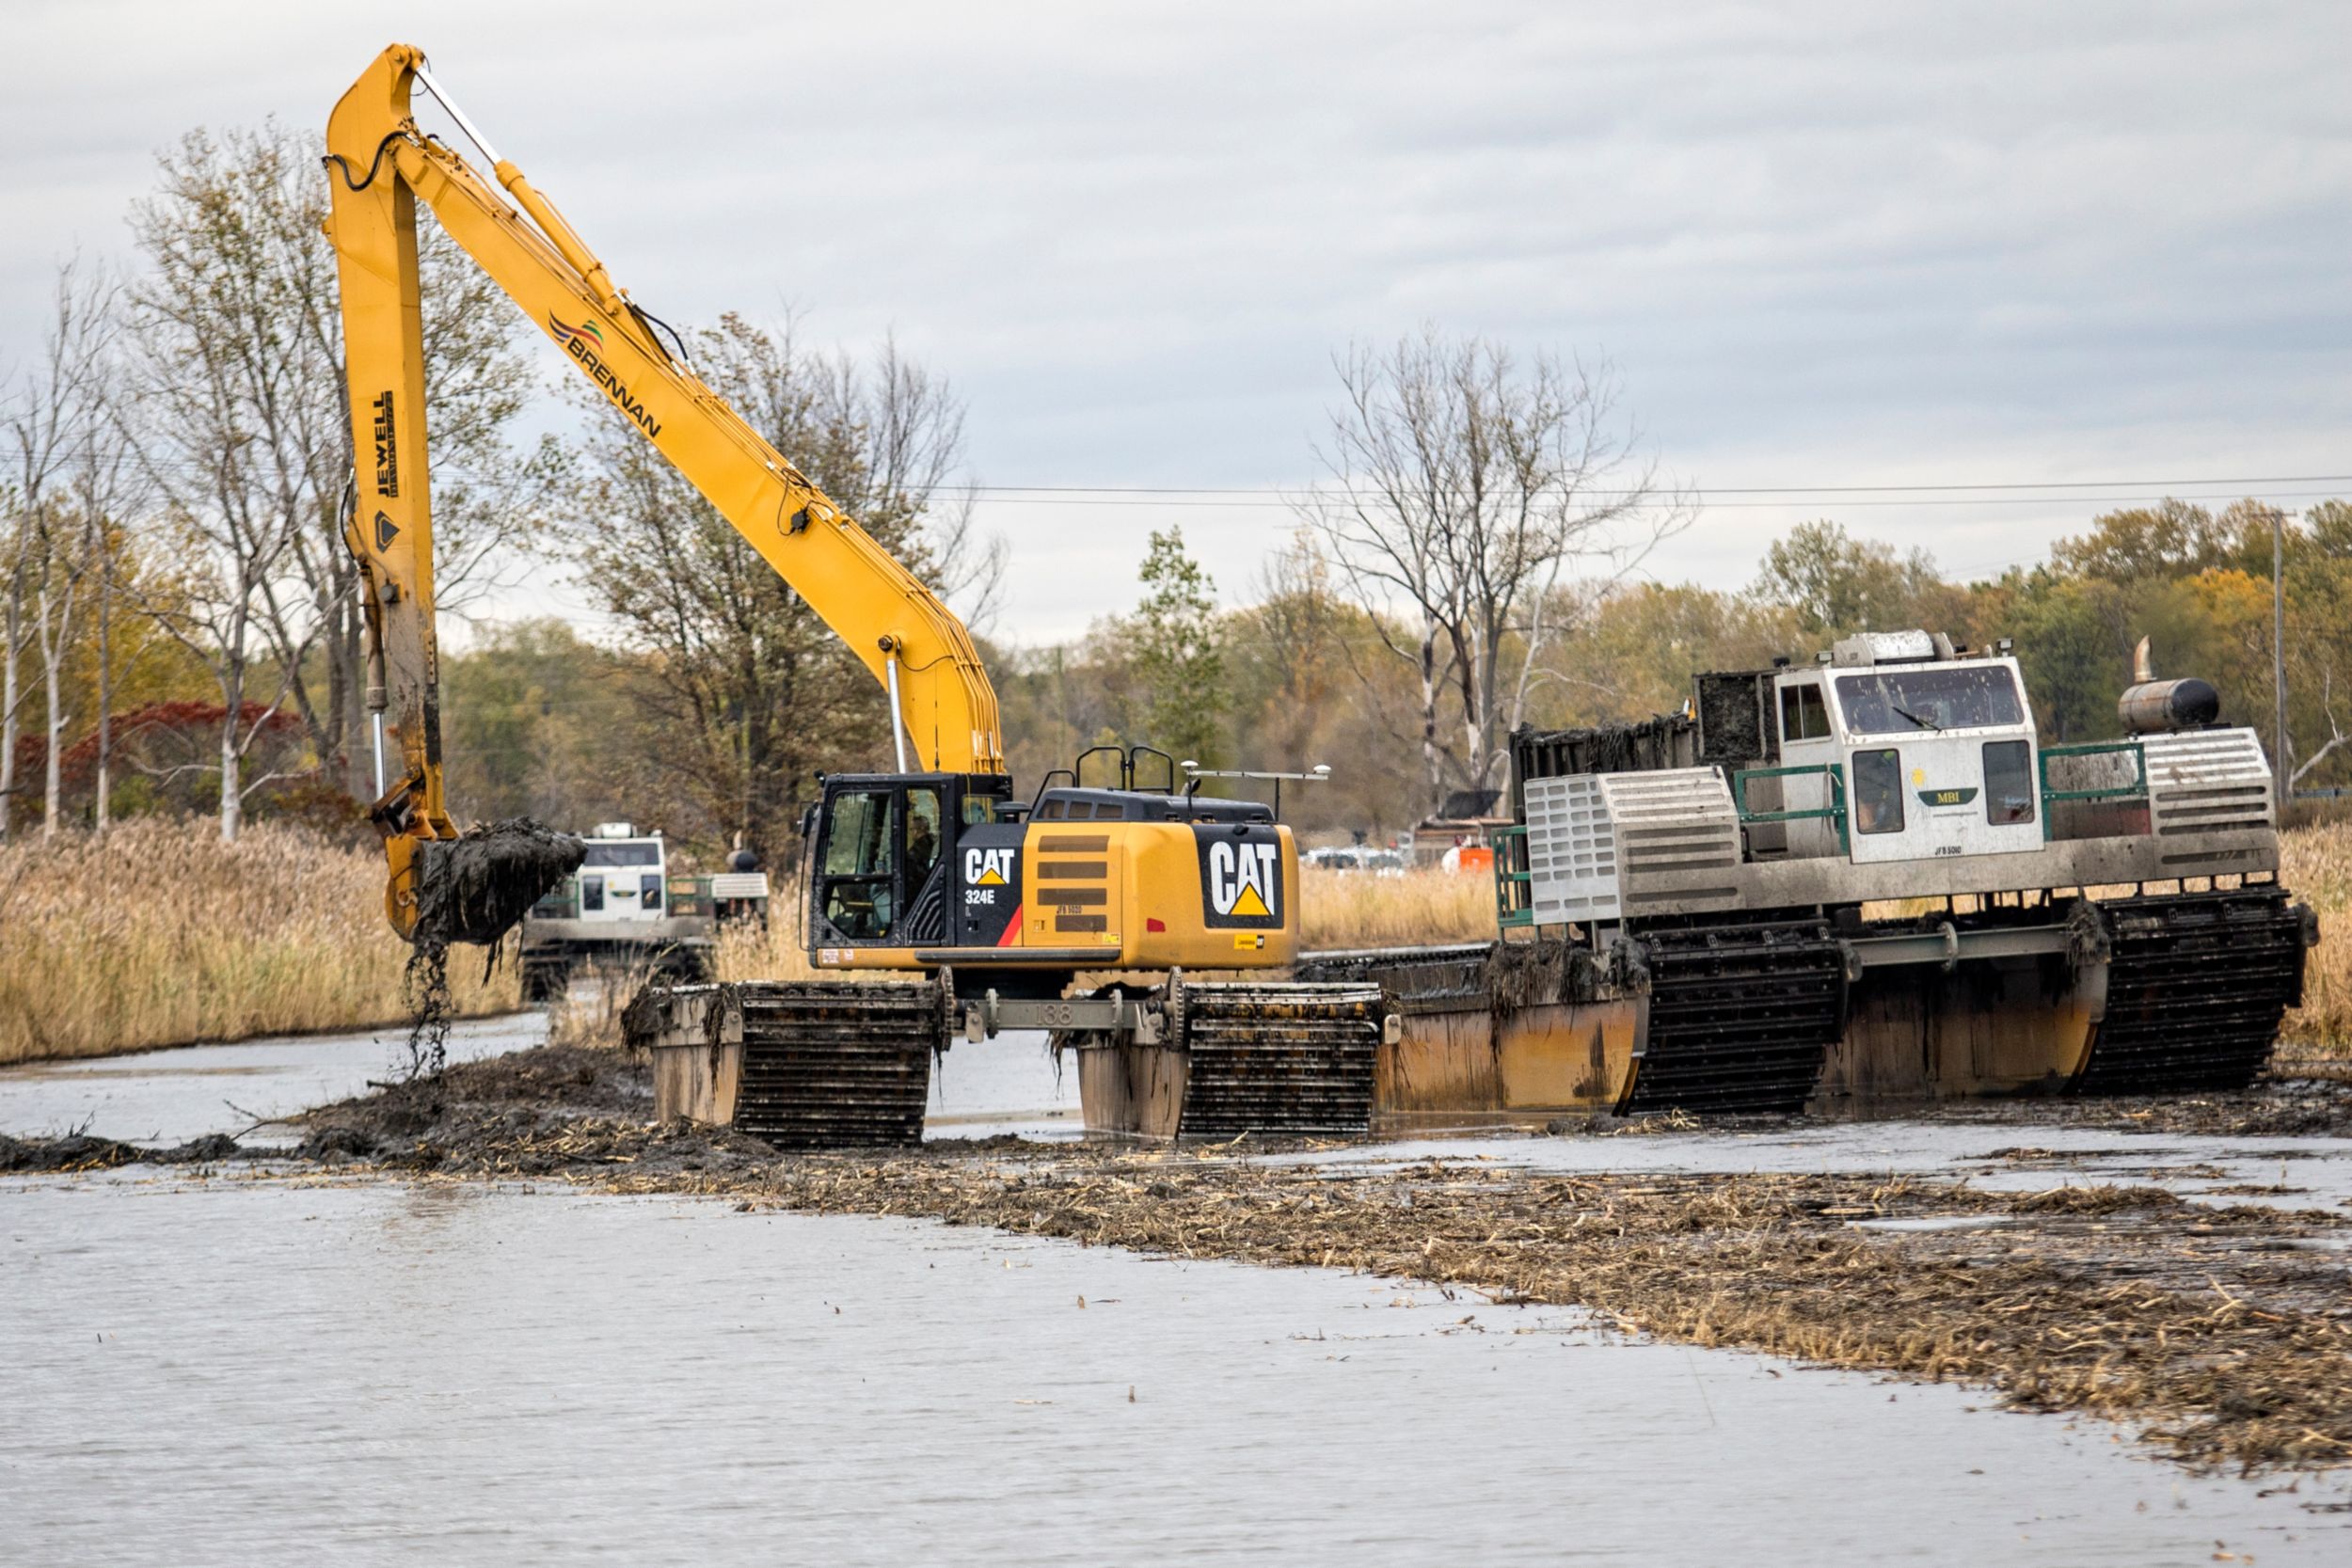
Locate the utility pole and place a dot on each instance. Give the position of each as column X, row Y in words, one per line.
column 2279, row 649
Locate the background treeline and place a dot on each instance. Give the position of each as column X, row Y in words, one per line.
column 182, row 636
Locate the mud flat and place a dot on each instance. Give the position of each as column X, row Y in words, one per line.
column 2220, row 1331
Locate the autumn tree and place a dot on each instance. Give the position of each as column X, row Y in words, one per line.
column 1839, row 584
column 750, row 691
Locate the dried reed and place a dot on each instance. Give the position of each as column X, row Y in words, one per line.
column 2315, row 864
column 1357, row 909
column 159, row 934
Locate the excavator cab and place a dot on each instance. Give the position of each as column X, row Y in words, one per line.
column 883, row 872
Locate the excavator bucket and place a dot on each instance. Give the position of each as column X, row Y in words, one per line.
column 474, row 887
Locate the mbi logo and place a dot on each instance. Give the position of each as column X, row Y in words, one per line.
column 1245, row 879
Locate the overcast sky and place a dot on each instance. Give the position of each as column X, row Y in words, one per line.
column 1825, row 244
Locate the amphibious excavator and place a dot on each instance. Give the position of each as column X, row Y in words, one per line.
column 986, row 907
column 1862, row 879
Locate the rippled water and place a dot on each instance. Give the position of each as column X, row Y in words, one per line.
column 168, row 1097
column 2318, row 1171
column 1006, row 1085
column 246, row 1372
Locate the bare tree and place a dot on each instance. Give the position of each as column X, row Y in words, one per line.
column 243, row 280
column 906, row 427
column 227, row 415
column 1461, row 487
column 105, row 493
column 244, row 430
column 58, row 417
column 13, row 634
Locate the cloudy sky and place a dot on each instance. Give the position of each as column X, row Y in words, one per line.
column 1828, row 247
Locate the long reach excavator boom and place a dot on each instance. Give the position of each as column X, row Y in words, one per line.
column 1000, row 904
column 380, row 164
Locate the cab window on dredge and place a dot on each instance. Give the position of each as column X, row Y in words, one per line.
column 2008, row 789
column 1898, row 701
column 1803, row 714
column 1878, row 792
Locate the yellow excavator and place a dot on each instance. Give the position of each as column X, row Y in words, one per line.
column 998, row 904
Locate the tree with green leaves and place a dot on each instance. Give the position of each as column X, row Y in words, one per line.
column 1837, row 583
column 1179, row 656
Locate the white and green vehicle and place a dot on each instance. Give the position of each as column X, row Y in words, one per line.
column 625, row 909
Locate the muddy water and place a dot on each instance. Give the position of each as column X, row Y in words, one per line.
column 167, row 1096
column 1006, row 1085
column 239, row 1372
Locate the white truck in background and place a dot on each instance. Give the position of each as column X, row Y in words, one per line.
column 624, row 909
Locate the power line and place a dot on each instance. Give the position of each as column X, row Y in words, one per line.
column 1701, row 500
column 1703, row 489
column 1262, row 494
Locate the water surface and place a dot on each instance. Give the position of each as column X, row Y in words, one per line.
column 242, row 1372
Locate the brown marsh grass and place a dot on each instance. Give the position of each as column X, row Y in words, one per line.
column 159, row 934
column 1359, row 908
column 2315, row 864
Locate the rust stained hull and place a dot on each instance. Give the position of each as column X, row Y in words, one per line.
column 1472, row 1067
column 2013, row 1026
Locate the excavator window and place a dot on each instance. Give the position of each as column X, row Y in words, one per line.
column 922, row 836
column 861, row 894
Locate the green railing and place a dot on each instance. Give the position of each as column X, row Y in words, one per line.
column 2135, row 790
column 691, row 895
column 1834, row 811
column 1515, row 898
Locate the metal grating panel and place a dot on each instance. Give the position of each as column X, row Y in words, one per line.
column 1681, row 820
column 1571, row 851
column 2202, row 780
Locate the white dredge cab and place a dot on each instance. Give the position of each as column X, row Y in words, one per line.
column 623, row 908
column 1867, row 878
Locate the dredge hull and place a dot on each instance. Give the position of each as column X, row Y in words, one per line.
column 1991, row 1027
column 1782, row 1011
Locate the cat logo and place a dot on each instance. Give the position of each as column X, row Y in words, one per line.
column 1245, row 879
column 986, row 867
column 1242, row 867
